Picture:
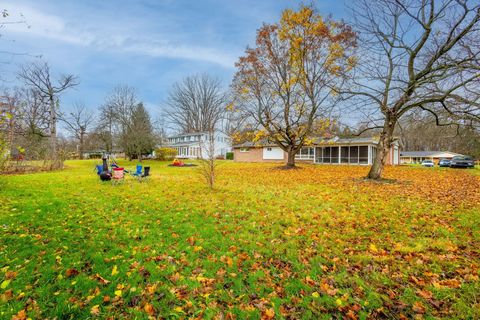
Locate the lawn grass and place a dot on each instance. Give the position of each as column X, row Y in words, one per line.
column 319, row 242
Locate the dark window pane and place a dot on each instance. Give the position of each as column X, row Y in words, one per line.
column 353, row 154
column 326, row 154
column 363, row 154
column 344, row 155
column 335, row 154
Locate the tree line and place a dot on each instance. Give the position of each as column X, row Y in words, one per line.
column 35, row 113
column 402, row 65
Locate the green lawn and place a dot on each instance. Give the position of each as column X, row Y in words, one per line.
column 318, row 242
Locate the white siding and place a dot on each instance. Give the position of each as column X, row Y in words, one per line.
column 272, row 153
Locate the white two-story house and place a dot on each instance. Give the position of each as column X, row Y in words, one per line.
column 195, row 145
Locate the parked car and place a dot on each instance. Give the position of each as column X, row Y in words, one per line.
column 428, row 163
column 444, row 163
column 462, row 162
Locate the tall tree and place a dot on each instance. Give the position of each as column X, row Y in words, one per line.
column 38, row 76
column 285, row 82
column 106, row 128
column 140, row 131
column 77, row 123
column 414, row 54
column 116, row 115
column 197, row 104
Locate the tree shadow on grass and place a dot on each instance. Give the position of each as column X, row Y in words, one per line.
column 378, row 181
column 286, row 168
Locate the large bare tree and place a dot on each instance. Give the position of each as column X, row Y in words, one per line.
column 78, row 122
column 38, row 76
column 120, row 106
column 285, row 82
column 196, row 104
column 414, row 54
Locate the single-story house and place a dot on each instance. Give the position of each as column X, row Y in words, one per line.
column 358, row 151
column 97, row 154
column 419, row 156
column 194, row 145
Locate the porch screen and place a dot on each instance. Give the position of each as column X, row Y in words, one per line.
column 326, row 154
column 353, row 154
column 363, row 156
column 344, row 155
column 335, row 154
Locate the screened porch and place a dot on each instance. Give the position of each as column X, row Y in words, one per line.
column 356, row 154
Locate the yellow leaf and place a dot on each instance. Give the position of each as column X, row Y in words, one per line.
column 315, row 294
column 373, row 248
column 114, row 270
column 269, row 313
column 5, row 284
column 118, row 293
column 178, row 309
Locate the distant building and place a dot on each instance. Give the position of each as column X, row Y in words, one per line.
column 419, row 156
column 194, row 145
column 357, row 151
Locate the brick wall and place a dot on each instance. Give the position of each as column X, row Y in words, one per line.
column 252, row 155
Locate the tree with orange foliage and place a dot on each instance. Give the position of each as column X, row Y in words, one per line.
column 288, row 80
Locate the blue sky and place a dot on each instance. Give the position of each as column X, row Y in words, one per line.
column 147, row 44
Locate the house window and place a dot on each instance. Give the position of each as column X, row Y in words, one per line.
column 247, row 149
column 269, row 149
column 305, row 153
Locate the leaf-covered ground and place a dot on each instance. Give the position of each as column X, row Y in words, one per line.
column 318, row 242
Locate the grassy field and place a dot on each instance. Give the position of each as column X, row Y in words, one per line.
column 318, row 242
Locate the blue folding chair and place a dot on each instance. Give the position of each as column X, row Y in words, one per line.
column 138, row 173
column 99, row 169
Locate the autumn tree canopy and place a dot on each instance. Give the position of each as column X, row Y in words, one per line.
column 289, row 78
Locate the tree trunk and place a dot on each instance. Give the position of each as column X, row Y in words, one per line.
column 53, row 136
column 384, row 145
column 290, row 158
column 80, row 148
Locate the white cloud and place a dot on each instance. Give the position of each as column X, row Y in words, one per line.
column 110, row 36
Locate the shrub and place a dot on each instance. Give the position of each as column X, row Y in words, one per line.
column 229, row 156
column 165, row 154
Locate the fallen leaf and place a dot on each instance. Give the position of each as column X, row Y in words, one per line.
column 71, row 273
column 95, row 310
column 149, row 309
column 268, row 314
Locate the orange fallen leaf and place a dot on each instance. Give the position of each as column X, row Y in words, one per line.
column 21, row 315
column 418, row 307
column 268, row 314
column 71, row 273
column 149, row 309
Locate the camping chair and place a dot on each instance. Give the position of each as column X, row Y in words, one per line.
column 99, row 168
column 138, row 173
column 118, row 175
column 146, row 173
